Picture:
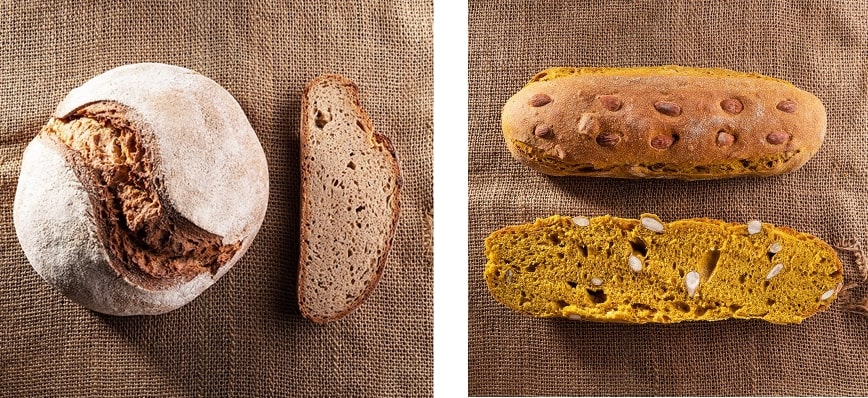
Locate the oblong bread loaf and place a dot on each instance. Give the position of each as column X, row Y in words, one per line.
column 644, row 270
column 662, row 122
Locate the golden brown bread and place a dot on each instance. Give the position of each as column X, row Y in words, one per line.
column 662, row 122
column 626, row 270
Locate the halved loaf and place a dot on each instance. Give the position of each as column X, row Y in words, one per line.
column 350, row 188
column 626, row 270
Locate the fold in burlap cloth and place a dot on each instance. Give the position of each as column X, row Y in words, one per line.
column 244, row 336
column 819, row 47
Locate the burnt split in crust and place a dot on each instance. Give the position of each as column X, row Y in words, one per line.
column 147, row 241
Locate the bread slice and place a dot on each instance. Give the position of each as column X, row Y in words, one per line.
column 350, row 187
column 626, row 270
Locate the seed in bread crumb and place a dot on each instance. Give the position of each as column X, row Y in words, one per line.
column 508, row 276
column 775, row 248
column 635, row 263
column 596, row 281
column 754, row 227
column 581, row 221
column 575, row 317
column 827, row 294
column 652, row 224
column 691, row 281
column 775, row 271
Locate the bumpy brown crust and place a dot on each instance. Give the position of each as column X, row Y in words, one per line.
column 662, row 122
column 306, row 200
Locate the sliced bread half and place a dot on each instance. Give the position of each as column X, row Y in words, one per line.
column 350, row 186
column 626, row 270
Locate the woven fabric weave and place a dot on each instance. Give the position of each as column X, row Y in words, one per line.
column 820, row 46
column 244, row 336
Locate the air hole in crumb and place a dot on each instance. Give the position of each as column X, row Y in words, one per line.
column 361, row 125
column 734, row 307
column 523, row 300
column 360, row 208
column 836, row 273
column 681, row 306
column 770, row 302
column 640, row 306
column 596, row 296
column 742, row 278
column 322, row 118
column 351, row 165
column 639, row 246
column 700, row 311
column 584, row 250
column 573, row 284
column 555, row 239
column 561, row 255
column 709, row 262
column 531, row 267
column 562, row 304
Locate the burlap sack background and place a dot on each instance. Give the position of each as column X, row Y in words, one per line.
column 819, row 46
column 244, row 336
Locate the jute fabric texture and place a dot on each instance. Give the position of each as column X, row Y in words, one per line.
column 820, row 46
column 244, row 336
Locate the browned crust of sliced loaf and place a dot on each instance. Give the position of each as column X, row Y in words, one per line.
column 608, row 125
column 305, row 200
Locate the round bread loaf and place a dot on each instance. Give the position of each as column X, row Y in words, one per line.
column 142, row 190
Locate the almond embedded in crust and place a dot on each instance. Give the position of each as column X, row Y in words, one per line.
column 163, row 184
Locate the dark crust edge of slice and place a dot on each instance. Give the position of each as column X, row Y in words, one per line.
column 304, row 136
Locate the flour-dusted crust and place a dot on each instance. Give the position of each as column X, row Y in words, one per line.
column 662, row 122
column 215, row 171
column 210, row 172
column 350, row 191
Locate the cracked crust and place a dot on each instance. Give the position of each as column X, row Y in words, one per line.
column 350, row 200
column 137, row 197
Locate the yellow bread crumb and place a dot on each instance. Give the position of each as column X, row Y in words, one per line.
column 620, row 270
